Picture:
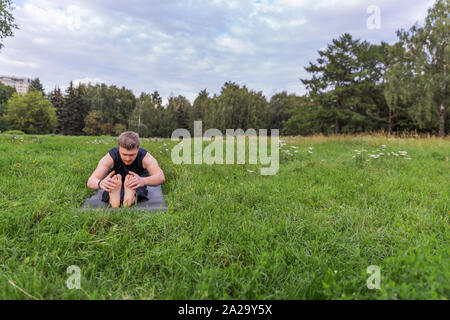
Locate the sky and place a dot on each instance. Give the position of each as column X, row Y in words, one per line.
column 182, row 47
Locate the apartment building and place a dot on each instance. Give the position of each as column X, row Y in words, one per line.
column 21, row 84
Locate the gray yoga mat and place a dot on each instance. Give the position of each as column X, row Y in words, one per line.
column 155, row 202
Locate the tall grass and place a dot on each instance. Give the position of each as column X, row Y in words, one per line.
column 309, row 232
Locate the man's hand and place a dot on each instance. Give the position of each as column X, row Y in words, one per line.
column 108, row 184
column 133, row 181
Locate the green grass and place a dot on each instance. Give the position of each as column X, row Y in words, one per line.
column 309, row 232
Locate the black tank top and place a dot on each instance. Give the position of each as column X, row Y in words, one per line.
column 136, row 166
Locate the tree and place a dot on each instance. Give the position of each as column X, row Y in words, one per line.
column 240, row 108
column 7, row 24
column 57, row 99
column 74, row 111
column 397, row 87
column 346, row 84
column 36, row 85
column 426, row 58
column 115, row 105
column 31, row 113
column 179, row 107
column 6, row 92
column 93, row 123
column 279, row 107
column 304, row 116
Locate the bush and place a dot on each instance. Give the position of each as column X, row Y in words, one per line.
column 16, row 132
column 32, row 113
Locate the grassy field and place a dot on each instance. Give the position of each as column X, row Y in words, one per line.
column 309, row 232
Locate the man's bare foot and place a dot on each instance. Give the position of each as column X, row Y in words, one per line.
column 128, row 194
column 114, row 195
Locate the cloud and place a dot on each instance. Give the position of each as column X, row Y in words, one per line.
column 182, row 47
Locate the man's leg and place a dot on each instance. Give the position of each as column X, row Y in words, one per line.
column 114, row 195
column 129, row 195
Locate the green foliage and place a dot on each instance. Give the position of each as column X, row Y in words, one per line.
column 36, row 85
column 239, row 108
column 179, row 106
column 345, row 84
column 16, row 132
column 115, row 105
column 420, row 73
column 6, row 92
column 93, row 123
column 151, row 119
column 31, row 113
column 7, row 24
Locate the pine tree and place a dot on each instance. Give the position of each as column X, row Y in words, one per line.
column 36, row 85
column 333, row 79
column 57, row 99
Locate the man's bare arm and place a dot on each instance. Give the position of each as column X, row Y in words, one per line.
column 104, row 165
column 156, row 174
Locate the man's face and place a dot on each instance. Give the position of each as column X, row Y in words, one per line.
column 128, row 156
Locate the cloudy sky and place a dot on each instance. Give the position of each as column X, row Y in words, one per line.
column 182, row 47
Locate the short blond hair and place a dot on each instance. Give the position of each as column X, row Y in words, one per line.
column 129, row 140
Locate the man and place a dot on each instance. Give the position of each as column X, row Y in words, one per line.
column 125, row 172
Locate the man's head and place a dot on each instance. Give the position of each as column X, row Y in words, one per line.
column 128, row 143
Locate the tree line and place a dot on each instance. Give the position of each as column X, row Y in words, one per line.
column 353, row 86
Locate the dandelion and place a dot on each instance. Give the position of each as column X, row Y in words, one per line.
column 167, row 149
column 309, row 152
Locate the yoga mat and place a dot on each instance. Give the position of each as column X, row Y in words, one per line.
column 155, row 202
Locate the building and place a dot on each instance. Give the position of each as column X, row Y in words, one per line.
column 21, row 84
